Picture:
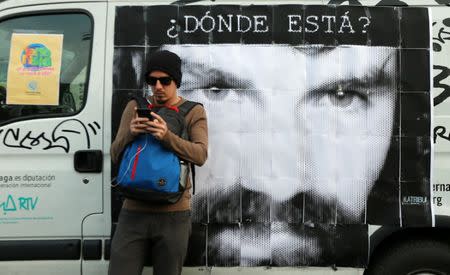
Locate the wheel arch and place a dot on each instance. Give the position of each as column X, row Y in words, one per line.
column 387, row 237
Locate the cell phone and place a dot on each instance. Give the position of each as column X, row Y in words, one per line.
column 142, row 112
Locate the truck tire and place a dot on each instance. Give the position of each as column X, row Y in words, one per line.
column 416, row 257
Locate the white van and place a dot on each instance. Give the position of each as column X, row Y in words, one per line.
column 327, row 123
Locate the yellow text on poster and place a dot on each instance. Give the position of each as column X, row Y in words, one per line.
column 34, row 69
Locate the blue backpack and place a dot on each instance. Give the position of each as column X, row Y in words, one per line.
column 150, row 172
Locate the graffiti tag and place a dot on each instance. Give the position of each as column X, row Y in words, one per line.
column 443, row 72
column 440, row 131
column 60, row 137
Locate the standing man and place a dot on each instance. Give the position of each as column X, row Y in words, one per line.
column 144, row 229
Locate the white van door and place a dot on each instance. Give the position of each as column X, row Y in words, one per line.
column 51, row 134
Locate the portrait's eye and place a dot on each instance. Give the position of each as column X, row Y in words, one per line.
column 344, row 98
column 215, row 89
column 214, row 93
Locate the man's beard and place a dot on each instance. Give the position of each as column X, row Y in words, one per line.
column 160, row 101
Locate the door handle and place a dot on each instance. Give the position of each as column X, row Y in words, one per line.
column 88, row 161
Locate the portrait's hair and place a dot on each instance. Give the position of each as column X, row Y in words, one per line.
column 383, row 202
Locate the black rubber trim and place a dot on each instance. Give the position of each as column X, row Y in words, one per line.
column 40, row 250
column 92, row 249
column 441, row 221
column 107, row 249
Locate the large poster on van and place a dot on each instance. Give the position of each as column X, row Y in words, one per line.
column 319, row 124
column 34, row 69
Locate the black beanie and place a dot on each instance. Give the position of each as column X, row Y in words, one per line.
column 167, row 62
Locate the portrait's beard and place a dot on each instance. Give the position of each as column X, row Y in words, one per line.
column 278, row 233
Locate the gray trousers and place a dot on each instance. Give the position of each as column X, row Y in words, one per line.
column 164, row 235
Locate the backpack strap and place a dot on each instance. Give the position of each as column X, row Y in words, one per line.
column 187, row 106
column 184, row 109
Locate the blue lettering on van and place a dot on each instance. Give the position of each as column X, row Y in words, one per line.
column 59, row 138
column 12, row 204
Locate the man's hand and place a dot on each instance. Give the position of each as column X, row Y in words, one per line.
column 157, row 127
column 138, row 125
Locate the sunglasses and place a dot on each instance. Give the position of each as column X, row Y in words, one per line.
column 165, row 80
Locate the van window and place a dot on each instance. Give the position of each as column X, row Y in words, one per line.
column 76, row 29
